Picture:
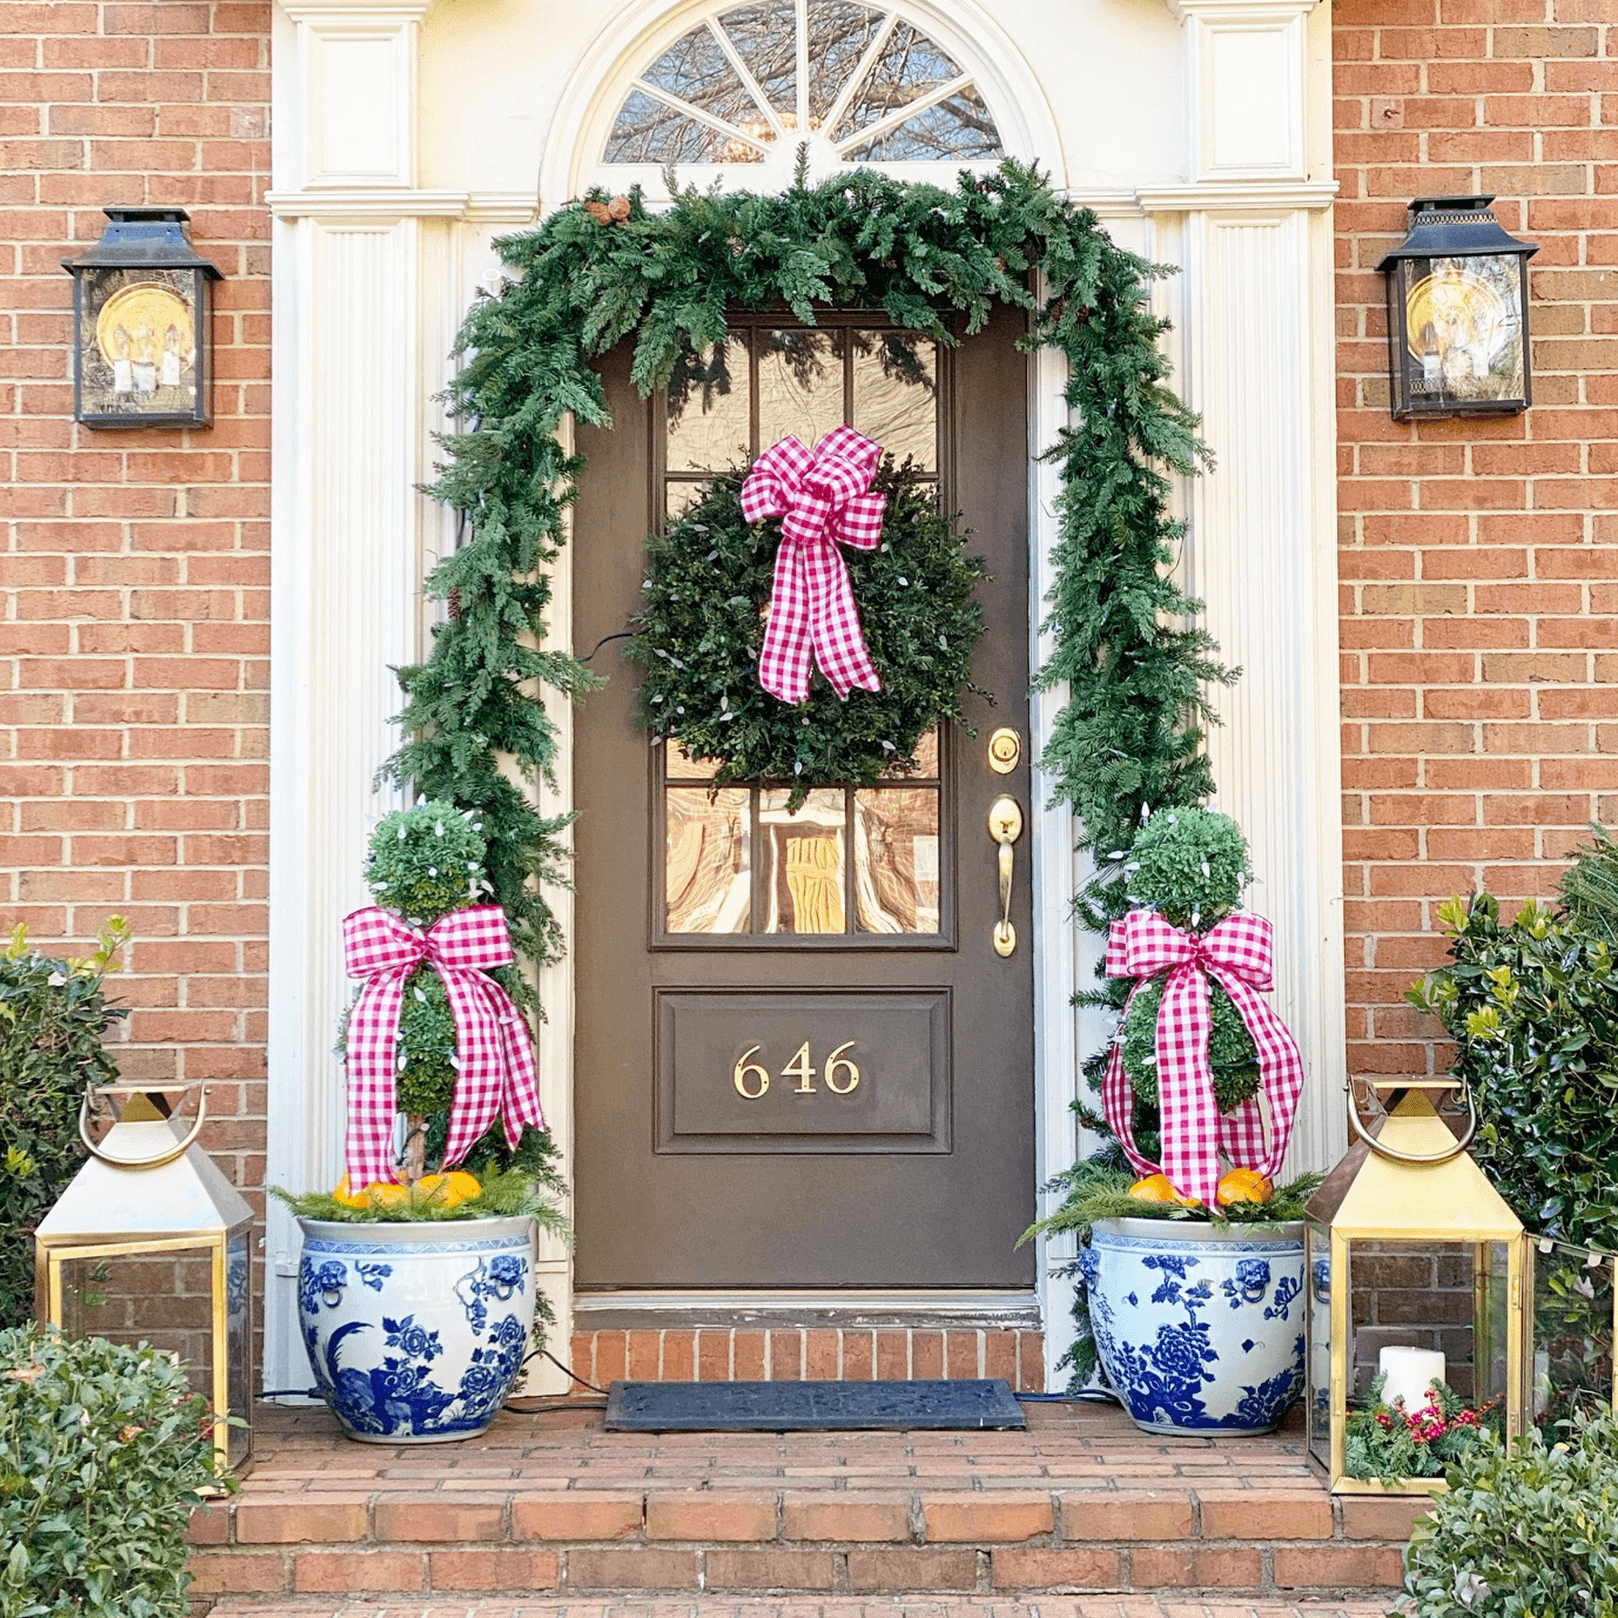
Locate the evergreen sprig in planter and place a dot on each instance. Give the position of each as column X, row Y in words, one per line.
column 417, row 1293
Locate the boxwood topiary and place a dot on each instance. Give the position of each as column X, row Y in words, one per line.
column 103, row 1452
column 1525, row 1532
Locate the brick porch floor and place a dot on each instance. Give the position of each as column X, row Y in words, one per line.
column 548, row 1508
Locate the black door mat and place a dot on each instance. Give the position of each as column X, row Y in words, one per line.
column 783, row 1407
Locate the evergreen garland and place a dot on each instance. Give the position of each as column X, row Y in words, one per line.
column 592, row 275
column 700, row 628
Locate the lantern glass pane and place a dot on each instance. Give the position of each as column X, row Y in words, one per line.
column 1463, row 320
column 1318, row 1409
column 139, row 348
column 1416, row 1294
column 239, row 1339
column 164, row 1298
column 1572, row 1358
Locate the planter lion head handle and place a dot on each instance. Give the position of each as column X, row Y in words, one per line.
column 1454, row 1149
column 140, row 1107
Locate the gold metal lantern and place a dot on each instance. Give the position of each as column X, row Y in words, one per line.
column 149, row 1244
column 1416, row 1268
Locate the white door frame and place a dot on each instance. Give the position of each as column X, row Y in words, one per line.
column 371, row 274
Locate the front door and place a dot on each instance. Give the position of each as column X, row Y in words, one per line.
column 801, row 1061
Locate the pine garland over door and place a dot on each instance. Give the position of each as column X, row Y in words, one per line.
column 1123, row 648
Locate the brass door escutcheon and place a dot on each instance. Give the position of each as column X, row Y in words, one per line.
column 1005, row 827
column 1005, row 749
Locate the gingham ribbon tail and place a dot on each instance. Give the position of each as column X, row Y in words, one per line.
column 1238, row 955
column 494, row 1056
column 823, row 500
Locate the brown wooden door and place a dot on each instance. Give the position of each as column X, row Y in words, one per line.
column 800, row 1061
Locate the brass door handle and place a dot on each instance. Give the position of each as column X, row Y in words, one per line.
column 1005, row 827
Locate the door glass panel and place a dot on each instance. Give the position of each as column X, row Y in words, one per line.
column 678, row 765
column 803, row 861
column 708, row 407
column 708, row 860
column 926, row 761
column 800, row 385
column 896, row 394
column 896, row 860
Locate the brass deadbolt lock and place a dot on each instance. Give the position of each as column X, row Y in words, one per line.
column 1005, row 749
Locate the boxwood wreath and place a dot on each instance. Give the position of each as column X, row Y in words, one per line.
column 1123, row 644
column 699, row 632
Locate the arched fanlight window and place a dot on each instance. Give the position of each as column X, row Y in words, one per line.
column 858, row 83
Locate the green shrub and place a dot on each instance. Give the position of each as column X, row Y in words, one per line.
column 1533, row 1009
column 1529, row 1532
column 103, row 1452
column 53, row 1018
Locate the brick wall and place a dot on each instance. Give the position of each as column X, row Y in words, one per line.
column 134, row 630
column 1479, row 559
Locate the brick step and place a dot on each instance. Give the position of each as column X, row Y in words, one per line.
column 789, row 1352
column 414, row 1534
column 709, row 1607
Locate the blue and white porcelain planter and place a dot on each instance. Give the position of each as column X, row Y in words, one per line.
column 416, row 1332
column 1198, row 1329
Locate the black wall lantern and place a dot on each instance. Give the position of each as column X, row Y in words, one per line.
column 1458, row 313
column 142, row 345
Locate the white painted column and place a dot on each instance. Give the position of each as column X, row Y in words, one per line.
column 362, row 333
column 1254, row 232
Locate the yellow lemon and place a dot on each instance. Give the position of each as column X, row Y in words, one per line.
column 447, row 1190
column 347, row 1196
column 385, row 1194
column 1244, row 1185
column 1158, row 1188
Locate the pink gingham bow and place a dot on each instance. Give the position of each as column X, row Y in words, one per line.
column 824, row 500
column 1238, row 955
column 493, row 1055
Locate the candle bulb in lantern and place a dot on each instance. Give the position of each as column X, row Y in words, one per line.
column 1410, row 1374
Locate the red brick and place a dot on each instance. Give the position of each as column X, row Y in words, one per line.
column 912, row 1570
column 1339, row 1567
column 982, row 1519
column 1197, row 1567
column 441, row 1518
column 637, row 1568
column 354, row 1572
column 493, row 1567
column 1250, row 1514
column 701, row 1514
column 302, row 1519
column 1129, row 1514
column 1386, row 1518
column 573, row 1514
column 773, row 1569
column 825, row 1515
column 1055, row 1570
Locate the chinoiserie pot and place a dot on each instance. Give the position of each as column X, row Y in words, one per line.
column 1199, row 1329
column 416, row 1331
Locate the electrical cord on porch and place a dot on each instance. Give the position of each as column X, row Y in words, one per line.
column 533, row 1404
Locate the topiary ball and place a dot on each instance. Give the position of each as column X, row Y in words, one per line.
column 1190, row 865
column 1232, row 1055
column 425, row 862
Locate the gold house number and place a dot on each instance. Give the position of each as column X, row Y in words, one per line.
column 753, row 1081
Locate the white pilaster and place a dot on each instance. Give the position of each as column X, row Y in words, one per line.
column 367, row 295
column 1253, row 224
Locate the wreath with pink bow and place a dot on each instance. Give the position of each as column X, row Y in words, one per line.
column 808, row 619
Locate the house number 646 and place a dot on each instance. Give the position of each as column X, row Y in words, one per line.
column 753, row 1081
